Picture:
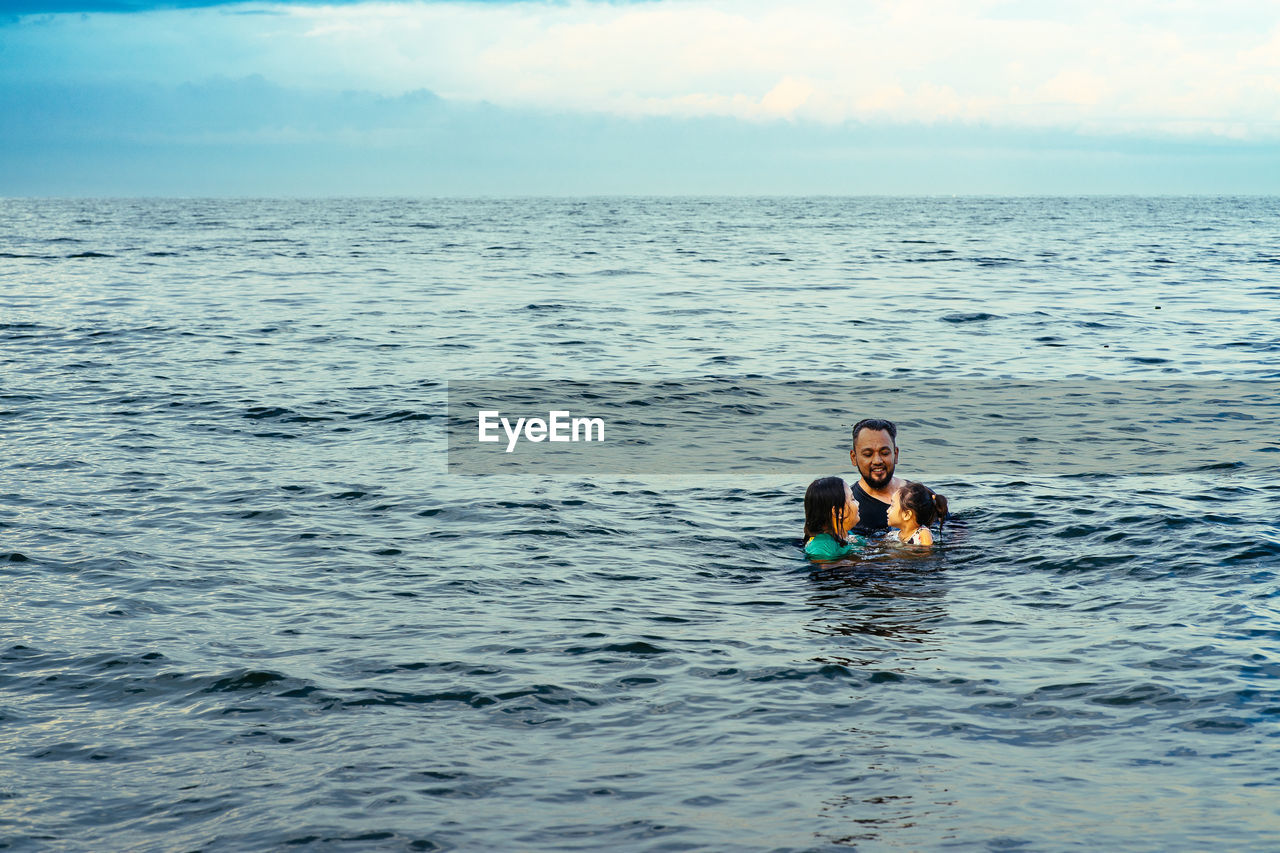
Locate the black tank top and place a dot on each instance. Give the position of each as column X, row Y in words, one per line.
column 873, row 513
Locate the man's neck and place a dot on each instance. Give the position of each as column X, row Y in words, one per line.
column 885, row 494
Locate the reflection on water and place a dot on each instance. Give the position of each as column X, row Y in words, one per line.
column 896, row 795
column 883, row 615
column 889, row 591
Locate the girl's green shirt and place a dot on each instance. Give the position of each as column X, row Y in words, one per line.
column 825, row 547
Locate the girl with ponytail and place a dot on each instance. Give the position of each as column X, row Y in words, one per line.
column 915, row 507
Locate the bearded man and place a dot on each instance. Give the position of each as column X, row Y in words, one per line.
column 875, row 455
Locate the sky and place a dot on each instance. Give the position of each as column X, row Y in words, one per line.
column 667, row 97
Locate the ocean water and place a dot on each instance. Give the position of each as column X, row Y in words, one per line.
column 246, row 605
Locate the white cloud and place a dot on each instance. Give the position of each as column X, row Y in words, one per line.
column 1149, row 66
column 1075, row 86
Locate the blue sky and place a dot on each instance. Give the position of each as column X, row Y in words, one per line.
column 118, row 97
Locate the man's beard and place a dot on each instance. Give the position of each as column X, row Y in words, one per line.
column 881, row 481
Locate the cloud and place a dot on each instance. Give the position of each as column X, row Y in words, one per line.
column 215, row 112
column 255, row 138
column 1144, row 67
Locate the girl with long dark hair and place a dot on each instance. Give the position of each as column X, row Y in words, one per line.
column 829, row 514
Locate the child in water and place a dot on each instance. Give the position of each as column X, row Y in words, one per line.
column 915, row 506
column 830, row 512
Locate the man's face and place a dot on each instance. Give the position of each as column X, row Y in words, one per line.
column 875, row 456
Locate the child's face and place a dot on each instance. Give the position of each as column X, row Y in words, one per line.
column 897, row 515
column 850, row 517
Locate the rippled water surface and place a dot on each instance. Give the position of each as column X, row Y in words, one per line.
column 245, row 607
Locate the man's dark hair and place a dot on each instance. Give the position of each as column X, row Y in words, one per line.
column 876, row 425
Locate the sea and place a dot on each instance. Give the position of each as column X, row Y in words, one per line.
column 248, row 603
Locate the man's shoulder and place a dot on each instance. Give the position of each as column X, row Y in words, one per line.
column 860, row 493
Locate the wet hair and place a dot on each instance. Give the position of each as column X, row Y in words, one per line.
column 820, row 499
column 927, row 505
column 876, row 425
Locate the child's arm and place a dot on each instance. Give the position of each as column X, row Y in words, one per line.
column 926, row 536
